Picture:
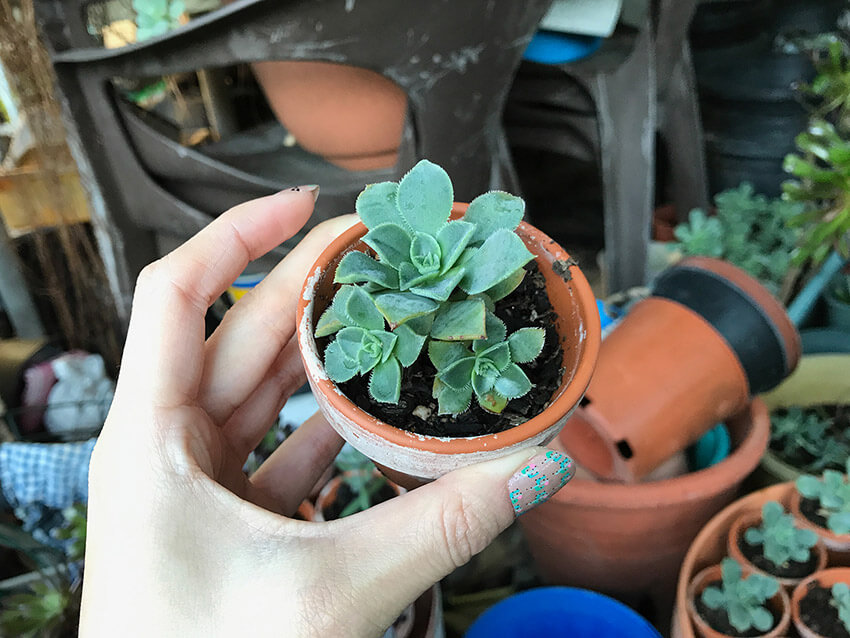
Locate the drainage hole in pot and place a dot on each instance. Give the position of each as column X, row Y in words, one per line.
column 625, row 449
column 584, row 401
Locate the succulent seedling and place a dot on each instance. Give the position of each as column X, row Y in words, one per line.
column 781, row 540
column 743, row 599
column 841, row 601
column 832, row 491
column 156, row 17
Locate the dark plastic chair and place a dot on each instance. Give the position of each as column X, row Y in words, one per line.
column 455, row 62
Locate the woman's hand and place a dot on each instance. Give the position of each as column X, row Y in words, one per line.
column 180, row 542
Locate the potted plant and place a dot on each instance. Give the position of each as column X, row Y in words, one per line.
column 722, row 601
column 823, row 505
column 820, row 605
column 772, row 543
column 449, row 303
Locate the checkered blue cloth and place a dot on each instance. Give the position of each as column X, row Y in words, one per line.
column 39, row 480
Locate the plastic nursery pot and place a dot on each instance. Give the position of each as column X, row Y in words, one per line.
column 409, row 459
column 680, row 362
column 779, row 604
column 820, row 379
column 710, row 547
column 825, row 579
column 838, row 545
column 624, row 538
column 560, row 611
column 331, row 491
column 752, row 518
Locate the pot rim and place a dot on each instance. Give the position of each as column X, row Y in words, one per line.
column 833, row 574
column 571, row 390
column 830, row 538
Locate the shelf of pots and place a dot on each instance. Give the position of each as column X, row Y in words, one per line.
column 796, row 535
column 436, row 334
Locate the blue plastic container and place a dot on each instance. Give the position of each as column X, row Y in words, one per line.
column 552, row 612
column 551, row 47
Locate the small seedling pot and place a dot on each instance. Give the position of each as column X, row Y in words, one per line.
column 837, row 545
column 780, row 604
column 752, row 518
column 329, row 493
column 681, row 361
column 410, row 459
column 826, row 579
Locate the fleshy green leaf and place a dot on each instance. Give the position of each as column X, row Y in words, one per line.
column 460, row 321
column 493, row 211
column 421, row 325
column 496, row 331
column 425, row 197
column 443, row 287
column 376, row 205
column 458, row 375
column 450, row 401
column 339, row 367
column 361, row 308
column 526, row 344
column 425, row 253
column 350, row 340
column 391, row 242
column 409, row 276
column 506, row 286
column 388, row 342
column 498, row 258
column 513, row 383
column 443, row 353
column 453, row 239
column 713, row 597
column 398, row 307
column 483, row 383
column 327, row 323
column 385, row 382
column 499, row 354
column 762, row 619
column 493, row 402
column 356, row 267
column 408, row 346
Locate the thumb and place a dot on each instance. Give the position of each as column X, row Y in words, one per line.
column 413, row 541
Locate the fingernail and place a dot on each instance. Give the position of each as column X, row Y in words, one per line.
column 312, row 188
column 538, row 479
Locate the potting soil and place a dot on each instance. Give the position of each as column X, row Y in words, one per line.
column 791, row 569
column 719, row 621
column 818, row 614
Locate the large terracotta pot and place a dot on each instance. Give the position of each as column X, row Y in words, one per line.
column 752, row 518
column 779, row 604
column 710, row 547
column 680, row 362
column 352, row 117
column 407, row 458
column 826, row 578
column 625, row 539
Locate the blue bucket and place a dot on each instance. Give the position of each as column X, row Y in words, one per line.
column 552, row 612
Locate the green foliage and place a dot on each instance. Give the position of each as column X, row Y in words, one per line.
column 35, row 613
column 743, row 599
column 156, row 17
column 488, row 370
column 429, row 278
column 841, row 289
column 782, row 541
column 362, row 478
column 749, row 231
column 810, row 433
column 841, row 601
column 74, row 530
column 832, row 491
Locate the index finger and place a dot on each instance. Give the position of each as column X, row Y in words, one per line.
column 163, row 356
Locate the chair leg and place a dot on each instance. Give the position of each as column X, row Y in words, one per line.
column 626, row 111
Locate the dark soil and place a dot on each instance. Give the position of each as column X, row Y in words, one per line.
column 718, row 620
column 527, row 306
column 792, row 569
column 810, row 508
column 819, row 615
column 344, row 496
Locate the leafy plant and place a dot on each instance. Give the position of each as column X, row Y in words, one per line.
column 430, row 278
column 489, row 370
column 742, row 598
column 809, row 439
column 832, row 491
column 748, row 230
column 781, row 539
column 362, row 479
column 155, row 17
column 74, row 531
column 841, row 601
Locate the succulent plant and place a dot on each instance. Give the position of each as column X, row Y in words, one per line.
column 782, row 541
column 155, row 17
column 841, row 601
column 362, row 478
column 489, row 370
column 742, row 598
column 832, row 491
column 811, row 434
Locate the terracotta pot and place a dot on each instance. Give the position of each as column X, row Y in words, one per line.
column 624, row 539
column 328, row 494
column 825, row 578
column 410, row 458
column 664, row 222
column 306, row 511
column 676, row 365
column 752, row 518
column 352, row 117
column 838, row 545
column 779, row 604
column 710, row 546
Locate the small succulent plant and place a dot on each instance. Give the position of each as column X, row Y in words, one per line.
column 841, row 601
column 832, row 491
column 433, row 279
column 489, row 370
column 810, row 433
column 781, row 540
column 743, row 599
column 362, row 478
column 155, row 17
